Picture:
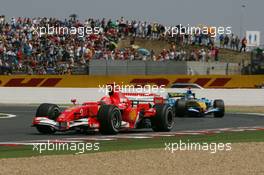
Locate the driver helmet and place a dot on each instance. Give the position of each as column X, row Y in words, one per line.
column 189, row 91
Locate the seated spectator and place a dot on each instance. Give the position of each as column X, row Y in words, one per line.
column 23, row 50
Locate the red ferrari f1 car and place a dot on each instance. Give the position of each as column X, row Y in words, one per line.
column 109, row 115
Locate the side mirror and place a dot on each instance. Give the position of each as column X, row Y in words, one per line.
column 73, row 101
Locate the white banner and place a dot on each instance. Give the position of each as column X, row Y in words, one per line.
column 253, row 38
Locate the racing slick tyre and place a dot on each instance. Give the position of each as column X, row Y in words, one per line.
column 164, row 118
column 110, row 118
column 221, row 106
column 180, row 108
column 51, row 111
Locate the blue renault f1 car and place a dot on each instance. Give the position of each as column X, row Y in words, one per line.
column 185, row 104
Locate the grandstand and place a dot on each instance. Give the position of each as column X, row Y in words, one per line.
column 121, row 47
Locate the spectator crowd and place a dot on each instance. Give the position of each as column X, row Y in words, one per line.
column 23, row 50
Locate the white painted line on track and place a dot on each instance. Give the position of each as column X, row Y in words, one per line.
column 4, row 116
column 259, row 114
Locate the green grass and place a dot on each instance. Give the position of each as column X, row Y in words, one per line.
column 245, row 109
column 135, row 144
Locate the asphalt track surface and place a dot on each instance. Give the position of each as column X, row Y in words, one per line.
column 19, row 128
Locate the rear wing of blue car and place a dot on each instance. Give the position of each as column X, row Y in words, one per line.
column 176, row 94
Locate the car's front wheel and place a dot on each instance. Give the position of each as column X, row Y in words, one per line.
column 219, row 104
column 110, row 118
column 51, row 111
column 45, row 129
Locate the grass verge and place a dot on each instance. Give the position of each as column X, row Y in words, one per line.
column 135, row 144
column 245, row 109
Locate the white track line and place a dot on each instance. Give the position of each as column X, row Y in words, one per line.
column 7, row 116
column 259, row 114
column 140, row 136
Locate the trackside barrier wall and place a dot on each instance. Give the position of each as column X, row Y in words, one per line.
column 244, row 97
column 124, row 67
column 86, row 81
column 138, row 67
column 166, row 67
column 212, row 68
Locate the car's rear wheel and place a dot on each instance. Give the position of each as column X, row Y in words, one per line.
column 164, row 118
column 180, row 108
column 51, row 111
column 110, row 118
column 220, row 105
